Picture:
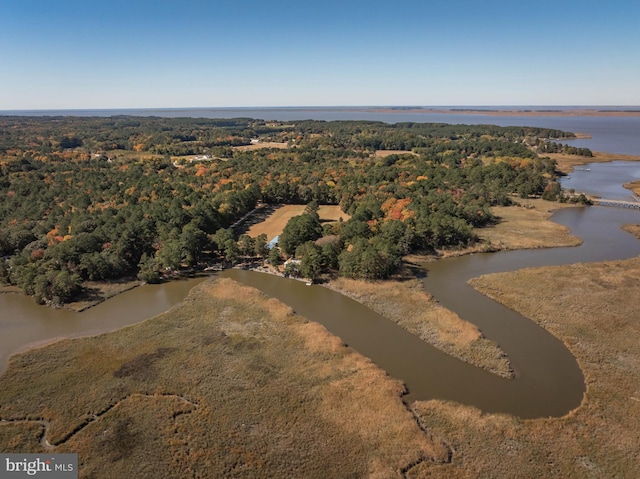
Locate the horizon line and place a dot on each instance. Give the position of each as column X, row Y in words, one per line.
column 557, row 107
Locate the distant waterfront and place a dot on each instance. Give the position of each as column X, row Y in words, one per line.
column 613, row 134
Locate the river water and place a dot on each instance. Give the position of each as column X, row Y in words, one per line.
column 549, row 382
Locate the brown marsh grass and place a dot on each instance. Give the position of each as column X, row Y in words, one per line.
column 407, row 304
column 634, row 186
column 633, row 229
column 593, row 308
column 227, row 384
column 527, row 226
column 94, row 292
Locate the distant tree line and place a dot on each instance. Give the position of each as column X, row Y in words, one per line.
column 554, row 147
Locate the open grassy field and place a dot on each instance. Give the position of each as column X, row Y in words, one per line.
column 227, row 384
column 593, row 308
column 384, row 153
column 259, row 146
column 273, row 220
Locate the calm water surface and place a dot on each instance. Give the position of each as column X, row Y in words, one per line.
column 608, row 181
column 23, row 323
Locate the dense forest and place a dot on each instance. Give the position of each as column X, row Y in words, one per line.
column 103, row 198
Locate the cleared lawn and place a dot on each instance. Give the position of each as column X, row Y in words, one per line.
column 384, row 153
column 278, row 217
column 259, row 146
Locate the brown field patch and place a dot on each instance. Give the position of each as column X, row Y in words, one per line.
column 279, row 215
column 259, row 146
column 384, row 153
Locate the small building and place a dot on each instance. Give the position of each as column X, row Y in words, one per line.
column 273, row 242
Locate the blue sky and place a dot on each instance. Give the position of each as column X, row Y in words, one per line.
column 58, row 54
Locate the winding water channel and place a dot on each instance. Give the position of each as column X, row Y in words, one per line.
column 548, row 383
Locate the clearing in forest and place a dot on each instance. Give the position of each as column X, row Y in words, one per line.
column 272, row 219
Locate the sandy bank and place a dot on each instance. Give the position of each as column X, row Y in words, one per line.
column 633, row 186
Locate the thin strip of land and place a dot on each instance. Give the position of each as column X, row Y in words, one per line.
column 261, row 145
column 634, row 186
column 566, row 163
column 407, row 304
column 508, row 112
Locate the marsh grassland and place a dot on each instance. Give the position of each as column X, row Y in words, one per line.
column 231, row 383
column 593, row 308
column 527, row 226
column 567, row 162
column 227, row 384
column 407, row 304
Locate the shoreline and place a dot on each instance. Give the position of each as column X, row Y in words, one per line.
column 508, row 112
column 566, row 163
